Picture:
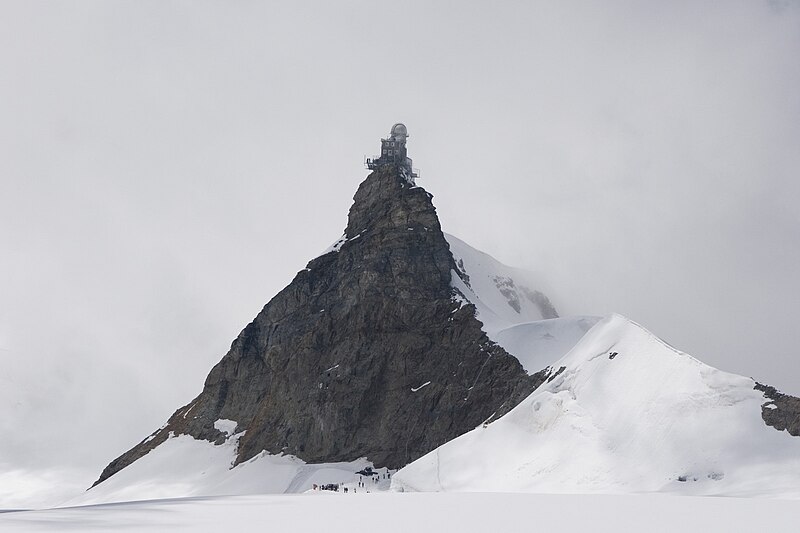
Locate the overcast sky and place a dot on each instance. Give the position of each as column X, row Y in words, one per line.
column 167, row 167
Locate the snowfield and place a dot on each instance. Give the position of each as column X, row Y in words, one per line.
column 623, row 412
column 388, row 512
column 183, row 466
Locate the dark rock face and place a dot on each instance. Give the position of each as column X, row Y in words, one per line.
column 782, row 412
column 542, row 302
column 335, row 366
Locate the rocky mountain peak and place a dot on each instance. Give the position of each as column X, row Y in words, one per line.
column 366, row 353
column 388, row 199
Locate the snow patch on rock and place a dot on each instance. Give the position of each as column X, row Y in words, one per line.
column 228, row 427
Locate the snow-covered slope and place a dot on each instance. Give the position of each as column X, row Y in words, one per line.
column 622, row 412
column 539, row 344
column 514, row 314
column 502, row 295
column 184, row 467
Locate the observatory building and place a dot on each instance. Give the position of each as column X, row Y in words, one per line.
column 393, row 151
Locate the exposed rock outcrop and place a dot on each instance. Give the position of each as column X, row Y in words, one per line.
column 333, row 367
column 782, row 412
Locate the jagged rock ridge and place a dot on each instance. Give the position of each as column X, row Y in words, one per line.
column 364, row 354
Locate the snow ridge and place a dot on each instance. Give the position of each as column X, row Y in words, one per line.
column 625, row 412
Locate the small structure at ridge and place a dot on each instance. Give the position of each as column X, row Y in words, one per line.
column 393, row 152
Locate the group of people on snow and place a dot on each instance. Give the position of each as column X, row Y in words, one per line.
column 367, row 474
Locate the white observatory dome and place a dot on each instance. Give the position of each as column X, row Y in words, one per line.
column 399, row 130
